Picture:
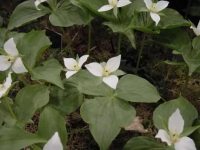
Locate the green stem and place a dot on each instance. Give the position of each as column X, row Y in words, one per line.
column 119, row 44
column 10, row 109
column 140, row 53
column 89, row 36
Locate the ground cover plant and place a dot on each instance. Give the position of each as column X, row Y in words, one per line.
column 99, row 74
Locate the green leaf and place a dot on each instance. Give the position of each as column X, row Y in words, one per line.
column 106, row 116
column 190, row 130
column 67, row 15
column 3, row 33
column 176, row 39
column 196, row 135
column 136, row 89
column 67, row 100
column 31, row 46
column 25, row 13
column 15, row 139
column 49, row 71
column 144, row 143
column 89, row 84
column 165, row 110
column 192, row 56
column 52, row 121
column 29, row 100
column 168, row 22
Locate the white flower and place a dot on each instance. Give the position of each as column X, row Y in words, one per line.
column 12, row 59
column 196, row 29
column 6, row 85
column 38, row 2
column 73, row 66
column 114, row 4
column 105, row 70
column 173, row 136
column 54, row 143
column 155, row 8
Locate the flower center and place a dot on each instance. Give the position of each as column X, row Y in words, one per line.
column 106, row 72
column 10, row 58
column 76, row 67
column 113, row 3
column 153, row 8
column 174, row 137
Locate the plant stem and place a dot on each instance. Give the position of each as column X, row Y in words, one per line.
column 89, row 37
column 140, row 53
column 119, row 44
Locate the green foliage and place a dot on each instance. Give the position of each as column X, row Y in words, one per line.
column 106, row 116
column 47, row 127
column 164, row 111
column 49, row 71
column 29, row 100
column 144, row 143
column 136, row 89
column 15, row 138
column 31, row 46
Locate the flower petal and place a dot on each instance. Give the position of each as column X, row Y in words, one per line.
column 164, row 136
column 82, row 60
column 185, row 143
column 176, row 123
column 198, row 26
column 95, row 69
column 70, row 63
column 8, row 82
column 18, row 66
column 54, row 143
column 105, row 8
column 195, row 30
column 161, row 5
column 70, row 73
column 4, row 63
column 10, row 47
column 111, row 81
column 113, row 63
column 148, row 3
column 155, row 17
column 38, row 2
column 122, row 3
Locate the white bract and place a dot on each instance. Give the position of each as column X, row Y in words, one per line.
column 114, row 4
column 54, row 143
column 12, row 59
column 73, row 66
column 196, row 29
column 6, row 85
column 173, row 135
column 155, row 8
column 38, row 2
column 106, row 70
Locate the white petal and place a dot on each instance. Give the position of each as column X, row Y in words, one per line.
column 111, row 81
column 70, row 73
column 54, row 143
column 70, row 63
column 7, row 84
column 161, row 5
column 176, row 123
column 113, row 63
column 155, row 17
column 95, row 69
column 198, row 26
column 122, row 3
column 164, row 136
column 185, row 143
column 38, row 2
column 82, row 60
column 105, row 8
column 18, row 66
column 196, row 30
column 10, row 47
column 148, row 3
column 4, row 63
